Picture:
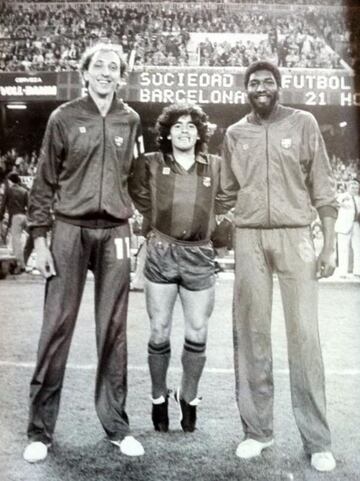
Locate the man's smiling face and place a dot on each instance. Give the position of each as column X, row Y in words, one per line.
column 262, row 92
column 103, row 74
column 184, row 134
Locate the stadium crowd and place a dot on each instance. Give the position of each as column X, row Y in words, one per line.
column 51, row 37
column 295, row 50
column 24, row 164
column 342, row 33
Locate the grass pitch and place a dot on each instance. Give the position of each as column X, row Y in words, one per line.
column 80, row 451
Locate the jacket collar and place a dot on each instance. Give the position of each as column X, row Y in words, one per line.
column 115, row 104
column 278, row 113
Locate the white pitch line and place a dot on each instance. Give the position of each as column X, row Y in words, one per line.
column 213, row 370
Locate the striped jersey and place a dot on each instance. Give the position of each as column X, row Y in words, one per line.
column 177, row 202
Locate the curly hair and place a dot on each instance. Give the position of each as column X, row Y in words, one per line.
column 262, row 65
column 169, row 117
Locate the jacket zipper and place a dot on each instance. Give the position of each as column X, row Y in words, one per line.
column 102, row 165
column 268, row 176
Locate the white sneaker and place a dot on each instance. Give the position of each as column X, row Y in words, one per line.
column 250, row 448
column 323, row 461
column 35, row 452
column 129, row 446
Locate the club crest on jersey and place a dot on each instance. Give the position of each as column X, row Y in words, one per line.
column 245, row 146
column 82, row 129
column 206, row 181
column 166, row 170
column 286, row 143
column 118, row 141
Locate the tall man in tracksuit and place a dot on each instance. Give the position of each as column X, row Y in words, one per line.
column 86, row 155
column 277, row 172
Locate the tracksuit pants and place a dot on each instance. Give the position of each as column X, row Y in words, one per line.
column 290, row 253
column 76, row 249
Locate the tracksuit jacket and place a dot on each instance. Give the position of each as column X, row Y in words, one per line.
column 277, row 172
column 85, row 160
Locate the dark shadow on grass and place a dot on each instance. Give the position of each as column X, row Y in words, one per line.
column 95, row 462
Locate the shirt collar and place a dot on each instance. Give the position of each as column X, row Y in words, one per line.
column 200, row 158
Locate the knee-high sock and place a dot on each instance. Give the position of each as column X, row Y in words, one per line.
column 158, row 358
column 193, row 360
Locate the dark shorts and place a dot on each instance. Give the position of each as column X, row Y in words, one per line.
column 188, row 264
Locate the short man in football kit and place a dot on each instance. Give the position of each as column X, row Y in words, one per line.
column 175, row 189
column 85, row 159
column 277, row 173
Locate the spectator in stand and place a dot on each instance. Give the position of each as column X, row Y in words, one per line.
column 4, row 185
column 344, row 171
column 16, row 203
column 33, row 163
column 21, row 164
column 10, row 158
column 347, row 228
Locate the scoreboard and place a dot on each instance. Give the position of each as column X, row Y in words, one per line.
column 301, row 87
column 199, row 85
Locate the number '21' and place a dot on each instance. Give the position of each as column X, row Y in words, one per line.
column 315, row 98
